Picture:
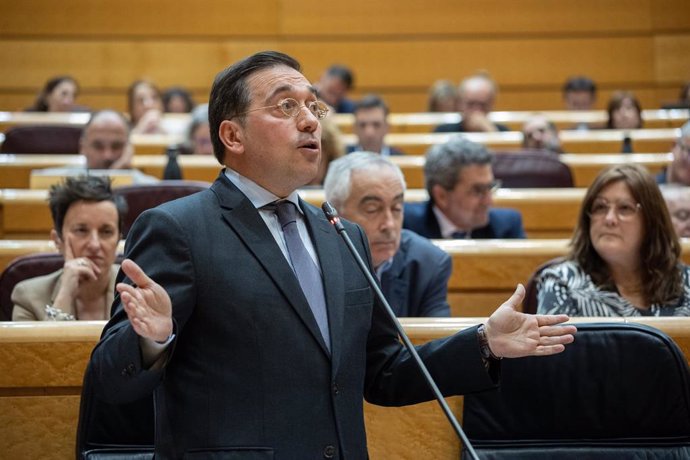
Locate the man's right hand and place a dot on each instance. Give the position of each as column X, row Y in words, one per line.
column 147, row 305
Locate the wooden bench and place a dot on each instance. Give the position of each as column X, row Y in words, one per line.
column 546, row 213
column 15, row 170
column 399, row 122
column 42, row 366
column 485, row 272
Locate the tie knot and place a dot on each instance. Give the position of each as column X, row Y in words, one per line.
column 286, row 212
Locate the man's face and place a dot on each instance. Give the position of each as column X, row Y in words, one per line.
column 104, row 142
column 467, row 204
column 332, row 90
column 376, row 203
column 539, row 135
column 278, row 152
column 476, row 96
column 371, row 127
column 679, row 208
column 579, row 100
column 681, row 161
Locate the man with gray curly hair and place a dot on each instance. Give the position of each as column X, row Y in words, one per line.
column 460, row 184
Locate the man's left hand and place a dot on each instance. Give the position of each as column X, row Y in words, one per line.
column 512, row 334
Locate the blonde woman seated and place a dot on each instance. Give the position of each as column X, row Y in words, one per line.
column 87, row 220
column 625, row 255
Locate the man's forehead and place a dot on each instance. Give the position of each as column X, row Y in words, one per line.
column 273, row 80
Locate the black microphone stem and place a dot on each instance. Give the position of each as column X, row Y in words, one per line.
column 333, row 218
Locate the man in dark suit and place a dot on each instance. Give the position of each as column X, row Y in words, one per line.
column 333, row 87
column 460, row 183
column 244, row 358
column 371, row 127
column 476, row 96
column 368, row 190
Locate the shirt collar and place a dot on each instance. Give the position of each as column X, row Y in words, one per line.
column 255, row 193
column 445, row 225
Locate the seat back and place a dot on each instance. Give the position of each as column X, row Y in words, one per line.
column 141, row 197
column 42, row 139
column 531, row 169
column 621, row 390
column 23, row 268
column 530, row 303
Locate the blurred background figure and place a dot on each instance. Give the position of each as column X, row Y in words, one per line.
column 177, row 100
column 624, row 111
column 334, row 86
column 145, row 107
column 579, row 93
column 87, row 221
column 678, row 171
column 332, row 148
column 198, row 139
column 625, row 255
column 678, row 202
column 538, row 133
column 371, row 127
column 476, row 97
column 443, row 97
column 683, row 101
column 105, row 141
column 59, row 94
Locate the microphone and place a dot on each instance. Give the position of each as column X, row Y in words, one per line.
column 334, row 219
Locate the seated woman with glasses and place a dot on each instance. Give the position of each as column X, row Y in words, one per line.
column 625, row 255
column 88, row 221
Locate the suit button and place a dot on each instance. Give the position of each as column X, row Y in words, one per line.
column 329, row 452
column 336, row 390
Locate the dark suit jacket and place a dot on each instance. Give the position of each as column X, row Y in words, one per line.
column 248, row 374
column 503, row 222
column 416, row 283
column 460, row 128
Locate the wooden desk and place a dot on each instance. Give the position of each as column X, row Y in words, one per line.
column 426, row 122
column 399, row 122
column 485, row 272
column 546, row 213
column 601, row 141
column 42, row 366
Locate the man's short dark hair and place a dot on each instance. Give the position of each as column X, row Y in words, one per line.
column 371, row 101
column 83, row 188
column 342, row 73
column 230, row 92
column 580, row 83
column 444, row 162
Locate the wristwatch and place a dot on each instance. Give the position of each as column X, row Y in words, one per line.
column 484, row 348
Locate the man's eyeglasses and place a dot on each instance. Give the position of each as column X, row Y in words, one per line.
column 481, row 190
column 624, row 210
column 291, row 108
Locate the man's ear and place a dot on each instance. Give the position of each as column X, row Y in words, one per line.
column 55, row 238
column 231, row 134
column 440, row 196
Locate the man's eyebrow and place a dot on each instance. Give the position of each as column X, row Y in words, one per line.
column 287, row 88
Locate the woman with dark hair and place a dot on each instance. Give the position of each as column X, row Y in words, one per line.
column 624, row 111
column 625, row 255
column 57, row 95
column 87, row 220
column 145, row 107
column 177, row 100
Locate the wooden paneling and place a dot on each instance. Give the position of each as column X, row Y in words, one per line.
column 136, row 18
column 465, row 17
column 670, row 14
column 667, row 65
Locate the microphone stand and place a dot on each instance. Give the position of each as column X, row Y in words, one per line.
column 332, row 216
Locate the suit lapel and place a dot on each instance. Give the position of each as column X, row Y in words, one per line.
column 327, row 244
column 393, row 285
column 240, row 215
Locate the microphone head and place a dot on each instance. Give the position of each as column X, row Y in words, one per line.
column 329, row 211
